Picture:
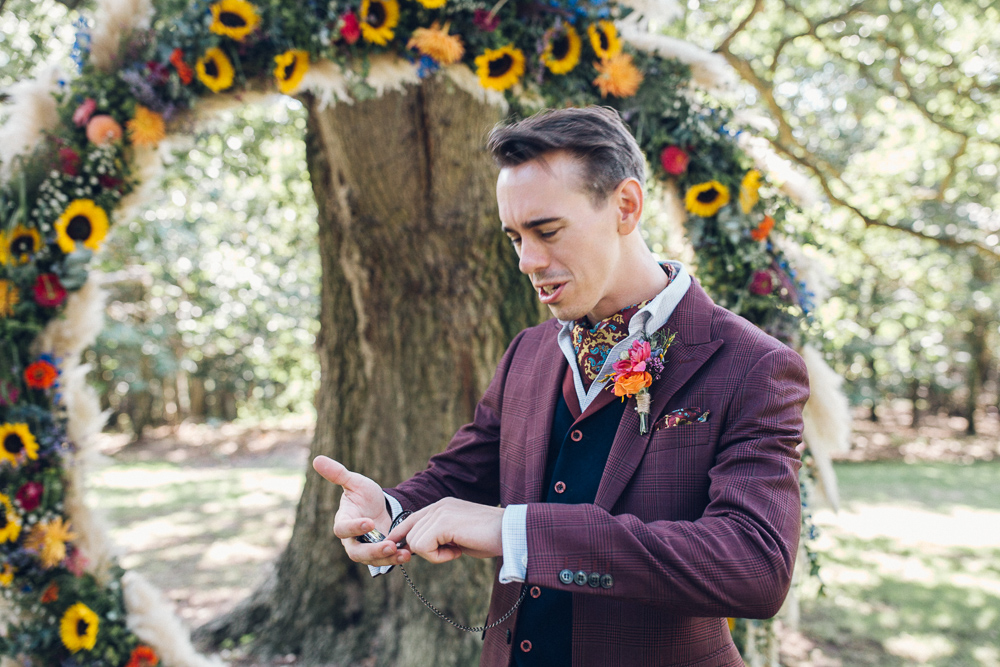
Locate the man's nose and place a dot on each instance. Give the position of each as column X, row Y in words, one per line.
column 534, row 257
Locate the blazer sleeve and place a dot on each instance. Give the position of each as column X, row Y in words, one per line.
column 736, row 560
column 469, row 469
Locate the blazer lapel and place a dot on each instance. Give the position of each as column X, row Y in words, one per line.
column 545, row 386
column 690, row 350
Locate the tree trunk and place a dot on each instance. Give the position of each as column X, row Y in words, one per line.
column 420, row 296
column 978, row 349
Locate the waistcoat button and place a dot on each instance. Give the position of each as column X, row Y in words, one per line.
column 535, row 591
column 576, row 435
column 560, row 487
column 525, row 646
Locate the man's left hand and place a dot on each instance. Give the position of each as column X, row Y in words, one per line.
column 450, row 527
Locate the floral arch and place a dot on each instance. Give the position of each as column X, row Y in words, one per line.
column 76, row 156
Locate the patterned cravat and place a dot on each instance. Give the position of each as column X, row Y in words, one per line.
column 592, row 344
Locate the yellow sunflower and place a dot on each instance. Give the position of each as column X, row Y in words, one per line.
column 7, row 575
column 749, row 195
column 432, row 4
column 215, row 70
column 378, row 18
column 618, row 76
column 78, row 628
column 10, row 523
column 17, row 442
column 705, row 199
column 604, row 39
column 234, row 18
column 499, row 69
column 436, row 43
column 49, row 540
column 84, row 222
column 9, row 297
column 20, row 245
column 147, row 127
column 291, row 66
column 562, row 49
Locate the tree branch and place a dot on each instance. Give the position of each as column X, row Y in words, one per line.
column 952, row 167
column 758, row 5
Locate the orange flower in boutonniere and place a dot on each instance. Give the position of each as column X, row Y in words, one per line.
column 636, row 370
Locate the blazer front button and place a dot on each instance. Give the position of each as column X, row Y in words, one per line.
column 566, row 576
column 581, row 578
column 560, row 487
column 576, row 435
column 536, row 591
column 607, row 581
column 525, row 646
column 594, row 580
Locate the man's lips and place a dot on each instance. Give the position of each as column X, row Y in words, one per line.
column 554, row 292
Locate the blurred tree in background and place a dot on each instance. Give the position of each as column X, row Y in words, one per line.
column 891, row 106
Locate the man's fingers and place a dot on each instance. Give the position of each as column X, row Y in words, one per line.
column 399, row 533
column 345, row 528
column 442, row 554
column 380, row 553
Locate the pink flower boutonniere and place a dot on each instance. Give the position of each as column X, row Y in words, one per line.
column 636, row 370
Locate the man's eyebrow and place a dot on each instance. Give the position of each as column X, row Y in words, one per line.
column 531, row 224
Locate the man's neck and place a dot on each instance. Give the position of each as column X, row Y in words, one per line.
column 644, row 282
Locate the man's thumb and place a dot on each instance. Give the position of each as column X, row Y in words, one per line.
column 332, row 470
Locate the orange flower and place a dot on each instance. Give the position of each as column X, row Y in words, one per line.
column 143, row 656
column 630, row 384
column 103, row 130
column 184, row 70
column 51, row 593
column 763, row 229
column 436, row 43
column 618, row 76
column 147, row 128
column 41, row 374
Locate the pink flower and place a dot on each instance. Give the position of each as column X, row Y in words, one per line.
column 84, row 112
column 638, row 354
column 70, row 161
column 481, row 19
column 75, row 562
column 351, row 29
column 30, row 495
column 8, row 393
column 674, row 160
column 762, row 283
column 102, row 130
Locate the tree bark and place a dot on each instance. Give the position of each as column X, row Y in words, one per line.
column 420, row 297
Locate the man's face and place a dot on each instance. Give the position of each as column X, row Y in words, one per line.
column 568, row 248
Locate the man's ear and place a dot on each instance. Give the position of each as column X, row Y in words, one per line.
column 629, row 199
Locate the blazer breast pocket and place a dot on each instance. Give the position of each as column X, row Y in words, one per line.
column 678, row 437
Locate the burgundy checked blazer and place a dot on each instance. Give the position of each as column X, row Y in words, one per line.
column 694, row 523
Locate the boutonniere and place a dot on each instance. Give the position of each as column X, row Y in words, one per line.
column 636, row 370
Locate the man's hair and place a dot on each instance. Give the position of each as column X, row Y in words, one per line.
column 596, row 136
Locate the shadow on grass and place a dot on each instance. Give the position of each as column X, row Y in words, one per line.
column 934, row 486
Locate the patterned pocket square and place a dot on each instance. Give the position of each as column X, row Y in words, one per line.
column 681, row 417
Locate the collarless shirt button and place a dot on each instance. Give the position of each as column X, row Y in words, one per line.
column 536, row 591
column 576, row 435
column 595, row 580
column 566, row 576
column 581, row 578
column 560, row 487
column 526, row 646
column 607, row 581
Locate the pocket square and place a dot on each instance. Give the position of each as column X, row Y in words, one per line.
column 682, row 416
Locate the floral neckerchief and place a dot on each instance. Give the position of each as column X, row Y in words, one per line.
column 592, row 344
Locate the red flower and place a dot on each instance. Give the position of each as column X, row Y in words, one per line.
column 70, row 161
column 51, row 593
column 762, row 283
column 30, row 495
column 48, row 290
column 674, row 160
column 350, row 30
column 763, row 229
column 41, row 374
column 109, row 182
column 482, row 20
column 158, row 73
column 638, row 355
column 184, row 70
column 83, row 112
column 143, row 656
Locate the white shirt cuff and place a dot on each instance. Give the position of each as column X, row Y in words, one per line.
column 514, row 538
column 395, row 510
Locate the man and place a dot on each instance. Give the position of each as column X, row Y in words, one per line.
column 634, row 546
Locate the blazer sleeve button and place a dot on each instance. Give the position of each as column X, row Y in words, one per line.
column 595, row 580
column 566, row 576
column 607, row 581
column 581, row 578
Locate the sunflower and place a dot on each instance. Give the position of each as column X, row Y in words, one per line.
column 49, row 540
column 16, row 442
column 234, row 18
column 432, row 4
column 499, row 69
column 147, row 127
column 78, row 628
column 618, row 76
column 749, row 195
column 84, row 222
column 9, row 297
column 10, row 523
column 378, row 18
column 705, row 199
column 604, row 39
column 7, row 575
column 436, row 43
column 291, row 66
column 215, row 70
column 20, row 245
column 562, row 49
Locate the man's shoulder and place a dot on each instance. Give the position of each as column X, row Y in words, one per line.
column 742, row 338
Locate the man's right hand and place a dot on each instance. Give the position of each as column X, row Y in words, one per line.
column 362, row 507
